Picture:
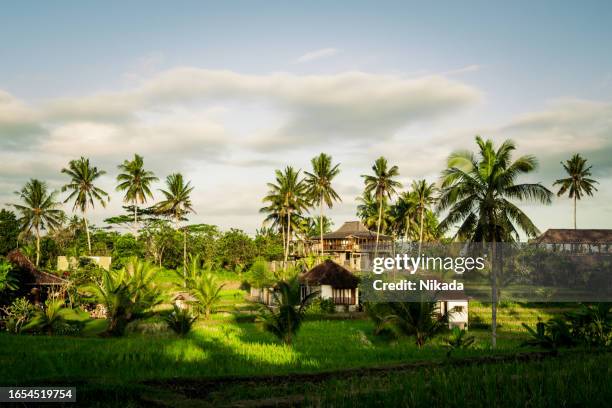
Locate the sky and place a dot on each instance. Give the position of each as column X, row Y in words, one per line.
column 227, row 92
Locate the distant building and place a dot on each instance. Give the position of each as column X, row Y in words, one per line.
column 352, row 246
column 65, row 263
column 577, row 240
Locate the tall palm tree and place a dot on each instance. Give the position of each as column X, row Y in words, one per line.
column 404, row 214
column 40, row 210
column 288, row 197
column 319, row 185
column 424, row 196
column 136, row 182
column 368, row 209
column 578, row 183
column 83, row 190
column 176, row 205
column 477, row 193
column 383, row 185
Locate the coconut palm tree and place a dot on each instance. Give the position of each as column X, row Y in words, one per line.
column 319, row 185
column 136, row 182
column 478, row 194
column 367, row 212
column 424, row 197
column 383, row 185
column 404, row 214
column 40, row 210
column 578, row 183
column 176, row 205
column 83, row 190
column 288, row 196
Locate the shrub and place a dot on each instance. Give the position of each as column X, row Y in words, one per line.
column 550, row 335
column 18, row 314
column 53, row 319
column 322, row 306
column 180, row 320
column 206, row 290
column 458, row 340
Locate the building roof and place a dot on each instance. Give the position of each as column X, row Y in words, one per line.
column 34, row 276
column 353, row 229
column 575, row 236
column 330, row 273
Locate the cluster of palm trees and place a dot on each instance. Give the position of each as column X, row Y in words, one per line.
column 40, row 208
column 291, row 196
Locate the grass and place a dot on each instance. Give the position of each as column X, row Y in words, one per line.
column 117, row 371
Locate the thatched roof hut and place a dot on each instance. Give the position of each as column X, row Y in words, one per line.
column 30, row 273
column 575, row 236
column 332, row 274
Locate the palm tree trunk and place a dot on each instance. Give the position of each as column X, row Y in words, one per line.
column 288, row 237
column 184, row 251
column 87, row 232
column 493, row 294
column 575, row 211
column 406, row 229
column 421, row 231
column 37, row 245
column 135, row 220
column 321, row 222
column 378, row 227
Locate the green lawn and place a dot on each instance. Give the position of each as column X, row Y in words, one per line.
column 230, row 346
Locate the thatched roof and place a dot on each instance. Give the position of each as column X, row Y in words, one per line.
column 330, row 273
column 353, row 229
column 575, row 236
column 33, row 276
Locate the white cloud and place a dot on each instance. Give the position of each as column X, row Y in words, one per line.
column 316, row 55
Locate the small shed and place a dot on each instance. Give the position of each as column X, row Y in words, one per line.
column 334, row 282
column 40, row 282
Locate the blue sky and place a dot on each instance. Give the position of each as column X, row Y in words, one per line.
column 408, row 80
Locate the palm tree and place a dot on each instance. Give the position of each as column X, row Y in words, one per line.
column 368, row 209
column 477, row 193
column 424, row 196
column 319, row 185
column 176, row 205
column 135, row 181
column 287, row 197
column 383, row 185
column 578, row 183
column 404, row 214
column 206, row 290
column 40, row 210
column 284, row 318
column 83, row 190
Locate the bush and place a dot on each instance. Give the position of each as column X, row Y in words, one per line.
column 458, row 340
column 18, row 314
column 322, row 306
column 180, row 320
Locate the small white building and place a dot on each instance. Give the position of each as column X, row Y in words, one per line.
column 455, row 306
column 334, row 282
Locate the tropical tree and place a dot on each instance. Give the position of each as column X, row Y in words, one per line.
column 383, row 185
column 206, row 290
column 51, row 318
column 418, row 319
column 83, row 190
column 136, row 182
column 126, row 293
column 424, row 198
column 287, row 197
column 579, row 181
column 40, row 210
column 284, row 318
column 404, row 215
column 177, row 204
column 319, row 183
column 477, row 192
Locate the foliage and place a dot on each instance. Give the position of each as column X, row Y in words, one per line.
column 269, row 244
column 136, row 182
column 579, row 181
column 235, row 248
column 550, row 335
column 125, row 247
column 180, row 320
column 259, row 275
column 206, row 290
column 322, row 306
column 419, row 319
column 9, row 231
column 592, row 324
column 39, row 210
column 285, row 317
column 18, row 314
column 8, row 282
column 126, row 293
column 54, row 318
column 459, row 339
